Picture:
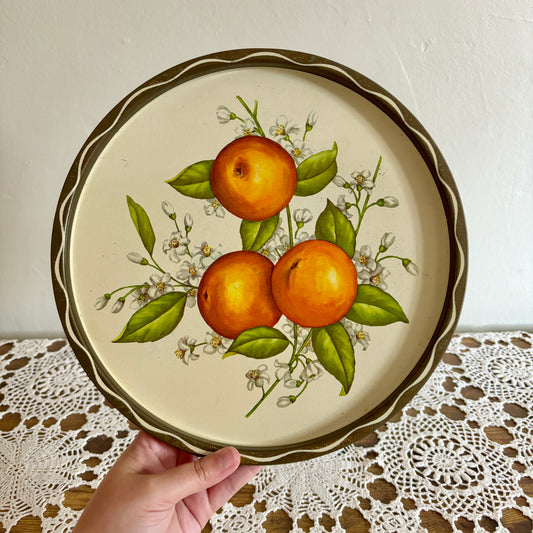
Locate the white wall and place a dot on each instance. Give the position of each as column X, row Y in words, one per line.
column 464, row 68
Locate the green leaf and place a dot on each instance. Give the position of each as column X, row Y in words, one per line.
column 143, row 224
column 261, row 342
column 255, row 235
column 333, row 226
column 333, row 347
column 155, row 320
column 195, row 180
column 315, row 172
column 374, row 307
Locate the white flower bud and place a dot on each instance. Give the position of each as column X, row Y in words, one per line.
column 391, row 201
column 284, row 401
column 102, row 302
column 339, row 181
column 134, row 257
column 410, row 267
column 168, row 209
column 118, row 305
column 388, row 201
column 224, row 115
column 311, row 120
column 386, row 241
column 188, row 222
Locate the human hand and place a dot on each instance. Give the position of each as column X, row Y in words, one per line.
column 154, row 487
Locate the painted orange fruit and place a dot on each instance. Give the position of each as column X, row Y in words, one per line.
column 314, row 284
column 235, row 294
column 253, row 177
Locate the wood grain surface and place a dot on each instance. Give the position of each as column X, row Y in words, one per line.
column 279, row 522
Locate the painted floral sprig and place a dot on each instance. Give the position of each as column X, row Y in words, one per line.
column 373, row 306
column 311, row 352
column 160, row 302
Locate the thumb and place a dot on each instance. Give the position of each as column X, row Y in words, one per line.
column 192, row 477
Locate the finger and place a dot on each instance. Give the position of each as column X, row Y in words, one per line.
column 206, row 503
column 163, row 451
column 188, row 478
column 146, row 454
column 226, row 489
column 185, row 457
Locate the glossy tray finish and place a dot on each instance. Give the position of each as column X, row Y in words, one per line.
column 137, row 227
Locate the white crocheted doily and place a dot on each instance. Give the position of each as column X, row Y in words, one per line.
column 439, row 456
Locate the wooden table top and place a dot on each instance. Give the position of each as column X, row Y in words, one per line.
column 278, row 522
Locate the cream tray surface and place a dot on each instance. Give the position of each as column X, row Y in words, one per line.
column 259, row 248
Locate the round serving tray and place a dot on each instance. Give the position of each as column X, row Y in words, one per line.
column 137, row 225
